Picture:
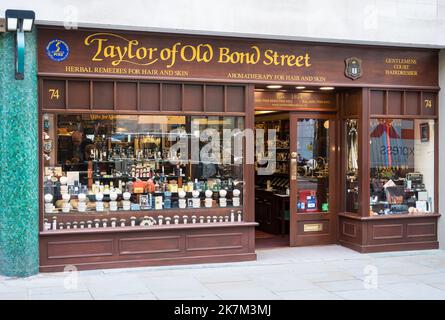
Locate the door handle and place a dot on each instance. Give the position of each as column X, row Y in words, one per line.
column 293, row 166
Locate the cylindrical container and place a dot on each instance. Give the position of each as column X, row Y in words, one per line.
column 240, row 216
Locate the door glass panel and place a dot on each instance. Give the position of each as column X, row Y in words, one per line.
column 312, row 167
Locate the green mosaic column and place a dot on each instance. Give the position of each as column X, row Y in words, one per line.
column 19, row 238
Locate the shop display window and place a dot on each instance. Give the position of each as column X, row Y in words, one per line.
column 401, row 166
column 103, row 169
column 312, row 168
column 351, row 138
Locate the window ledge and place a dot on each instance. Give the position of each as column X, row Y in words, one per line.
column 391, row 216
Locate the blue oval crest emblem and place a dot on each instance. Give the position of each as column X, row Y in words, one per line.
column 57, row 50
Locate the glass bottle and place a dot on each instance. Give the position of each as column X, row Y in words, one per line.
column 48, row 186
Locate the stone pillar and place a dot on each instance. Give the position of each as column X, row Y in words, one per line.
column 19, row 206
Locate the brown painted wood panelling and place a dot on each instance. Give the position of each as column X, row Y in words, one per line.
column 427, row 109
column 403, row 103
column 351, row 103
column 150, row 96
column 233, row 60
column 126, row 95
column 54, row 93
column 349, row 229
column 79, row 249
column 389, row 233
column 214, row 98
column 193, row 97
column 99, row 95
column 214, row 241
column 171, row 97
column 235, row 98
column 395, row 102
column 412, row 99
column 350, row 232
column 378, row 101
column 149, row 245
column 80, row 99
column 132, row 247
column 421, row 229
column 103, row 95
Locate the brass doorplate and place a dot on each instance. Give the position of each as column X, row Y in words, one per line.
column 313, row 227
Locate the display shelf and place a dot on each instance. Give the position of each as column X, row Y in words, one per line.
column 139, row 214
column 154, row 228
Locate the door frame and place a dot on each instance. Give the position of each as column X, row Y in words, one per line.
column 328, row 221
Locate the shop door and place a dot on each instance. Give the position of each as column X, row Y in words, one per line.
column 312, row 183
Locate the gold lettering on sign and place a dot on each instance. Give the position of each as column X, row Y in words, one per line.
column 428, row 103
column 118, row 49
column 401, row 67
column 54, row 94
column 119, row 53
column 235, row 57
column 313, row 227
column 274, row 58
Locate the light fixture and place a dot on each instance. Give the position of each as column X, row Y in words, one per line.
column 327, row 88
column 300, row 87
column 264, row 111
column 19, row 21
column 11, row 24
column 274, row 86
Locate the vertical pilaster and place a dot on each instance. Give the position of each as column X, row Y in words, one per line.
column 19, row 240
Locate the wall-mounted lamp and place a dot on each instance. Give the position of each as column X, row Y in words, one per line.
column 20, row 21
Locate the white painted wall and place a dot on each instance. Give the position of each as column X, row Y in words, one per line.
column 441, row 137
column 407, row 22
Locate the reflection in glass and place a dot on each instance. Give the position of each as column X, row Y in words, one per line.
column 150, row 157
column 312, row 168
column 351, row 179
column 402, row 166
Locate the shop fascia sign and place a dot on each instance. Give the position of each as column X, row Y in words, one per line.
column 134, row 53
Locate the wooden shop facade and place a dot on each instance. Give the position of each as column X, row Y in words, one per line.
column 339, row 145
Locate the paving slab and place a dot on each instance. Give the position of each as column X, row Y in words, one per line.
column 319, row 272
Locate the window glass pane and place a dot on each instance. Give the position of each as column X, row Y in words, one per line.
column 106, row 163
column 402, row 166
column 351, row 180
column 313, row 161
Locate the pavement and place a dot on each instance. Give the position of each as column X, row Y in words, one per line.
column 320, row 272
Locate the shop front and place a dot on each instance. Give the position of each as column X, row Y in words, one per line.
column 163, row 149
